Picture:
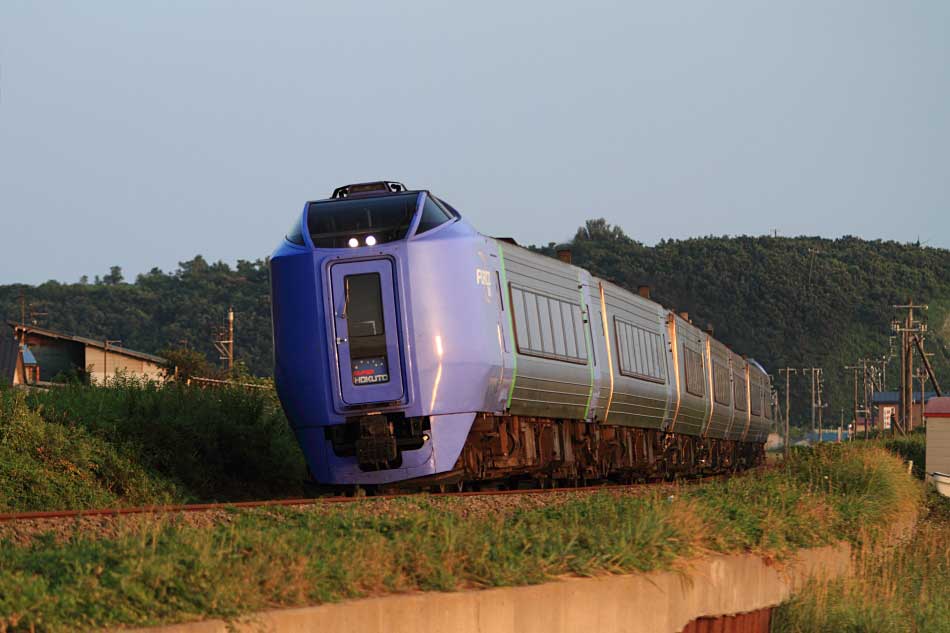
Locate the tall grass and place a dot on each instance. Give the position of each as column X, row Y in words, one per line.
column 912, row 447
column 167, row 571
column 210, row 445
column 894, row 590
column 45, row 465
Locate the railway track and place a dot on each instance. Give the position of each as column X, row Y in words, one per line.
column 9, row 517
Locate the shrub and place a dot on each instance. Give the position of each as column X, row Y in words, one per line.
column 47, row 465
column 215, row 444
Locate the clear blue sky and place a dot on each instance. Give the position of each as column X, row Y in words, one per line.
column 140, row 134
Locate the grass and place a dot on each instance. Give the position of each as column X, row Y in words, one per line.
column 45, row 465
column 193, row 444
column 164, row 570
column 910, row 447
column 895, row 590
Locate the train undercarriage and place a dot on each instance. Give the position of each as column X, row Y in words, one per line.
column 517, row 451
column 575, row 452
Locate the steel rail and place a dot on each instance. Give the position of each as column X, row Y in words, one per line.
column 8, row 517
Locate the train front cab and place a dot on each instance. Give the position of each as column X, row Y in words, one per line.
column 381, row 358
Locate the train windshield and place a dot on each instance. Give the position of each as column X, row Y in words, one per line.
column 360, row 221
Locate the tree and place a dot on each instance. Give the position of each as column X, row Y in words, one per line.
column 114, row 277
column 183, row 363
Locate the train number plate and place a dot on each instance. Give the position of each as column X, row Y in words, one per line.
column 370, row 371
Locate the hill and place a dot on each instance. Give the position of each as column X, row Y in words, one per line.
column 784, row 301
column 802, row 301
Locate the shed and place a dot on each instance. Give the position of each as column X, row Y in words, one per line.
column 888, row 404
column 57, row 353
column 938, row 436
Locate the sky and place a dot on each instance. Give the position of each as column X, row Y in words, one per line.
column 140, row 134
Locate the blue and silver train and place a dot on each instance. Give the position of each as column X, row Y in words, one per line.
column 408, row 346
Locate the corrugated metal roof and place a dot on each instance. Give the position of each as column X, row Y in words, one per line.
column 88, row 341
column 939, row 407
column 9, row 350
column 893, row 397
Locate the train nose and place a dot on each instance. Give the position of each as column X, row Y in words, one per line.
column 366, row 333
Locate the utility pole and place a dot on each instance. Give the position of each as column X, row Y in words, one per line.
column 866, row 390
column 854, row 428
column 919, row 342
column 224, row 341
column 788, row 372
column 909, row 331
column 105, row 358
column 815, row 373
column 821, row 408
column 922, row 377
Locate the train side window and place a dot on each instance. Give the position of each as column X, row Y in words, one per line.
column 695, row 384
column 739, row 390
column 557, row 328
column 295, row 234
column 756, row 399
column 548, row 327
column 570, row 330
column 544, row 320
column 721, row 385
column 638, row 351
column 432, row 216
column 501, row 299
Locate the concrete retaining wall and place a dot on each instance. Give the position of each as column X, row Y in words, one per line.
column 656, row 602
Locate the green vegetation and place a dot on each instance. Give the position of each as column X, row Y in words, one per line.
column 802, row 301
column 46, row 465
column 165, row 570
column 913, row 447
column 137, row 443
column 894, row 590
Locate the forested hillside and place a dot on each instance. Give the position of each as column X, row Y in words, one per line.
column 804, row 301
column 784, row 301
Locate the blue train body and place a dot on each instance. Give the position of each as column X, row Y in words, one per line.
column 394, row 338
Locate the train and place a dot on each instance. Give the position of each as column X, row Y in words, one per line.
column 411, row 349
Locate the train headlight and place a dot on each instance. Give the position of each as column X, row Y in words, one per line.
column 353, row 242
column 370, row 240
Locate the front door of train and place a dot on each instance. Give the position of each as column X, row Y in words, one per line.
column 367, row 336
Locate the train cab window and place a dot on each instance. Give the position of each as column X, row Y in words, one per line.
column 365, row 328
column 353, row 221
column 433, row 215
column 295, row 234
